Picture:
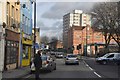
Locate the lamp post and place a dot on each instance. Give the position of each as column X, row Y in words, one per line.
column 86, row 41
column 34, row 26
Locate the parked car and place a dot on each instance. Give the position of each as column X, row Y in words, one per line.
column 71, row 59
column 109, row 58
column 52, row 53
column 47, row 64
column 59, row 55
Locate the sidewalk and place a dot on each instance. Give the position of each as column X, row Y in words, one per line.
column 16, row 73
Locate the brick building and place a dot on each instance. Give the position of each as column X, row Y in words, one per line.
column 93, row 37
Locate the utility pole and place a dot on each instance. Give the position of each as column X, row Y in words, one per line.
column 86, row 41
column 34, row 26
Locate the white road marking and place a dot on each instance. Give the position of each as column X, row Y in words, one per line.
column 90, row 68
column 28, row 76
column 87, row 65
column 97, row 74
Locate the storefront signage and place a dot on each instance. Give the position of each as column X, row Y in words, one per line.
column 27, row 36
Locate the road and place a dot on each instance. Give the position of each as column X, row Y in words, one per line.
column 106, row 71
column 87, row 69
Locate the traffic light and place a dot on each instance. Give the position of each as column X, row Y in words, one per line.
column 72, row 47
column 79, row 46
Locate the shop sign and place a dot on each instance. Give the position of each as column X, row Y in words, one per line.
column 27, row 36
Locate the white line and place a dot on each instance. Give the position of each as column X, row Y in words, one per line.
column 90, row 68
column 97, row 74
column 87, row 65
column 28, row 76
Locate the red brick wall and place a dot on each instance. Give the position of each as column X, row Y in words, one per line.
column 77, row 35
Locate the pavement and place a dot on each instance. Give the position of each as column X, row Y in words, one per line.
column 16, row 73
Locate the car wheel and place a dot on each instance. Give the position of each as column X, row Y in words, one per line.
column 66, row 63
column 77, row 63
column 104, row 62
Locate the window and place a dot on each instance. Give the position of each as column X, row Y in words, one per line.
column 97, row 37
column 23, row 19
column 25, row 52
column 17, row 17
column 12, row 16
column 111, row 56
column 11, row 52
column 8, row 13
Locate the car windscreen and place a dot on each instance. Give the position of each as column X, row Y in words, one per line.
column 106, row 55
column 70, row 56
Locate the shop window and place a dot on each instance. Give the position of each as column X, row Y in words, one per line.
column 25, row 52
column 11, row 52
column 8, row 43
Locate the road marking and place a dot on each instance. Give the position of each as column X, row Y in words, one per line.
column 28, row 76
column 97, row 74
column 87, row 65
column 90, row 68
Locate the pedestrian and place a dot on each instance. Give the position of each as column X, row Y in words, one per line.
column 38, row 64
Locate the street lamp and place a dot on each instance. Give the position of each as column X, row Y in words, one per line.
column 34, row 25
column 86, row 41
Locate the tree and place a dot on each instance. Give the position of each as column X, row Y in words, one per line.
column 106, row 15
column 54, row 42
column 44, row 39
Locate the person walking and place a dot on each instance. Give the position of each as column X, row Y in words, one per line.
column 38, row 64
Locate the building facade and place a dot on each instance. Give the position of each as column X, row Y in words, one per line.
column 11, row 17
column 26, row 33
column 70, row 19
column 2, row 34
column 89, row 38
column 75, row 18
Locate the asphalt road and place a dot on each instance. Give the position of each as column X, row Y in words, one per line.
column 106, row 71
column 69, row 71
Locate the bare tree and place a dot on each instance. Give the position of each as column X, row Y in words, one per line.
column 106, row 14
column 44, row 39
column 54, row 42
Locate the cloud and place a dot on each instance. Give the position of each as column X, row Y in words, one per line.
column 56, row 26
column 59, row 9
column 52, row 31
column 76, row 0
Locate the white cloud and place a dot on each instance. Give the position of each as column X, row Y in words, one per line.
column 59, row 9
column 77, row 0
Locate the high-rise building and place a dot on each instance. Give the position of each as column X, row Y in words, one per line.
column 75, row 18
column 69, row 20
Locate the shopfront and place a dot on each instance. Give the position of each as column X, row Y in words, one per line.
column 11, row 50
column 26, row 49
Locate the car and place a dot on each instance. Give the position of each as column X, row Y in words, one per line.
column 109, row 58
column 52, row 53
column 71, row 59
column 59, row 55
column 47, row 64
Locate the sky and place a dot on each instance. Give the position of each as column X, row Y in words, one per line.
column 50, row 14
